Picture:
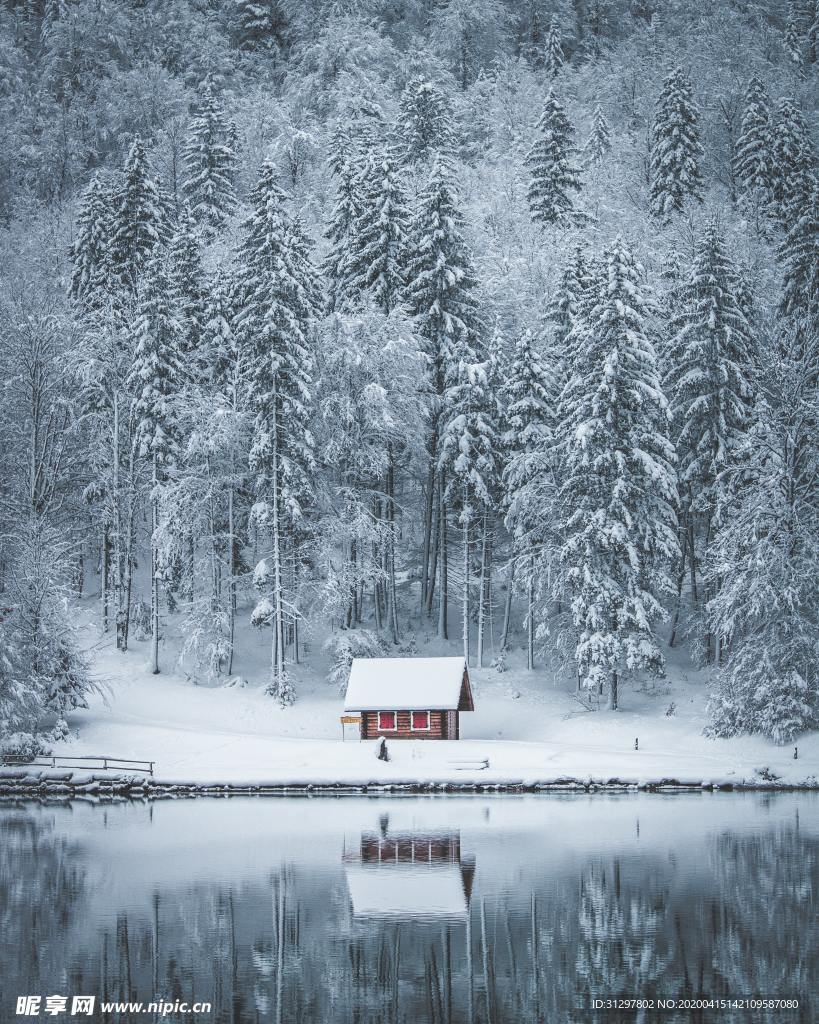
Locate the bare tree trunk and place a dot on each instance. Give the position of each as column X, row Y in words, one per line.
column 154, row 574
column 443, row 573
column 436, row 537
column 465, row 513
column 482, row 591
column 680, row 579
column 392, row 603
column 613, row 692
column 507, row 611
column 231, row 568
column 530, row 615
column 427, row 575
column 105, row 562
column 278, row 631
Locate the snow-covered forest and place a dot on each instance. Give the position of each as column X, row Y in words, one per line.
column 355, row 318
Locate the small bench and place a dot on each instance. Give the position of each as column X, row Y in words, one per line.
column 465, row 764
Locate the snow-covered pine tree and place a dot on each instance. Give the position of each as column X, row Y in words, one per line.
column 553, row 173
column 468, row 457
column 528, row 480
column 766, row 555
column 261, row 25
column 345, row 168
column 277, row 299
column 90, row 258
column 553, row 57
column 799, row 253
column 753, row 160
column 711, row 355
column 137, row 220
column 210, row 162
column 794, row 163
column 441, row 296
column 675, row 148
column 425, row 121
column 376, row 262
column 598, row 143
column 188, row 289
column 156, row 376
column 619, row 488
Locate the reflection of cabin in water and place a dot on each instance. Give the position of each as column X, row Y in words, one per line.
column 409, row 874
column 408, row 698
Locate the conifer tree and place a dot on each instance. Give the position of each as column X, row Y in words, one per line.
column 675, row 148
column 156, row 376
column 340, row 232
column 90, row 253
column 551, row 162
column 711, row 356
column 137, row 220
column 753, row 159
column 766, row 555
column 554, row 50
column 188, row 289
column 276, row 302
column 376, row 262
column 468, row 457
column 441, row 296
column 799, row 253
column 619, row 486
column 210, row 162
column 528, row 478
column 599, row 141
column 425, row 121
column 262, row 26
column 794, row 163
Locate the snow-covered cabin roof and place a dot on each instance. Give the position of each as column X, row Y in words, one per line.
column 408, row 684
column 406, row 890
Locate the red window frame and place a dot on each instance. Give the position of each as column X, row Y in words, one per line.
column 419, row 728
column 387, row 728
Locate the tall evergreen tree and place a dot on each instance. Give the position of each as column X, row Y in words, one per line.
column 376, row 262
column 799, row 253
column 753, row 159
column 261, row 25
column 528, row 478
column 794, row 163
column 711, row 358
column 341, row 229
column 210, row 162
column 553, row 58
column 619, row 487
column 675, row 148
column 137, row 220
column 90, row 253
column 441, row 296
column 468, row 456
column 188, row 288
column 425, row 121
column 276, row 301
column 553, row 172
column 767, row 555
column 156, row 375
column 599, row 141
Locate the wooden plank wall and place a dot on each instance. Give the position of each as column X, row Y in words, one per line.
column 438, row 727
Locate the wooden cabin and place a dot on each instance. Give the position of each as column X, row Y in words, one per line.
column 408, row 698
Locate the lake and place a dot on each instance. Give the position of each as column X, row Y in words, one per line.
column 439, row 909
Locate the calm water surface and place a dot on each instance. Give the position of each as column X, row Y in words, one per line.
column 414, row 909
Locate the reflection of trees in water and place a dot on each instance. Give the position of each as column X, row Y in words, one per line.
column 295, row 947
column 41, row 892
column 765, row 933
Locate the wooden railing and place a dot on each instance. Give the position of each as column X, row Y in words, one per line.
column 69, row 761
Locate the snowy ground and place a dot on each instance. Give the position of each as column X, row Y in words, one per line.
column 528, row 725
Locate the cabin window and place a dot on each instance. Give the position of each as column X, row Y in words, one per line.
column 420, row 721
column 386, row 721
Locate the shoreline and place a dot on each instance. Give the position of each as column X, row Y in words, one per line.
column 67, row 785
